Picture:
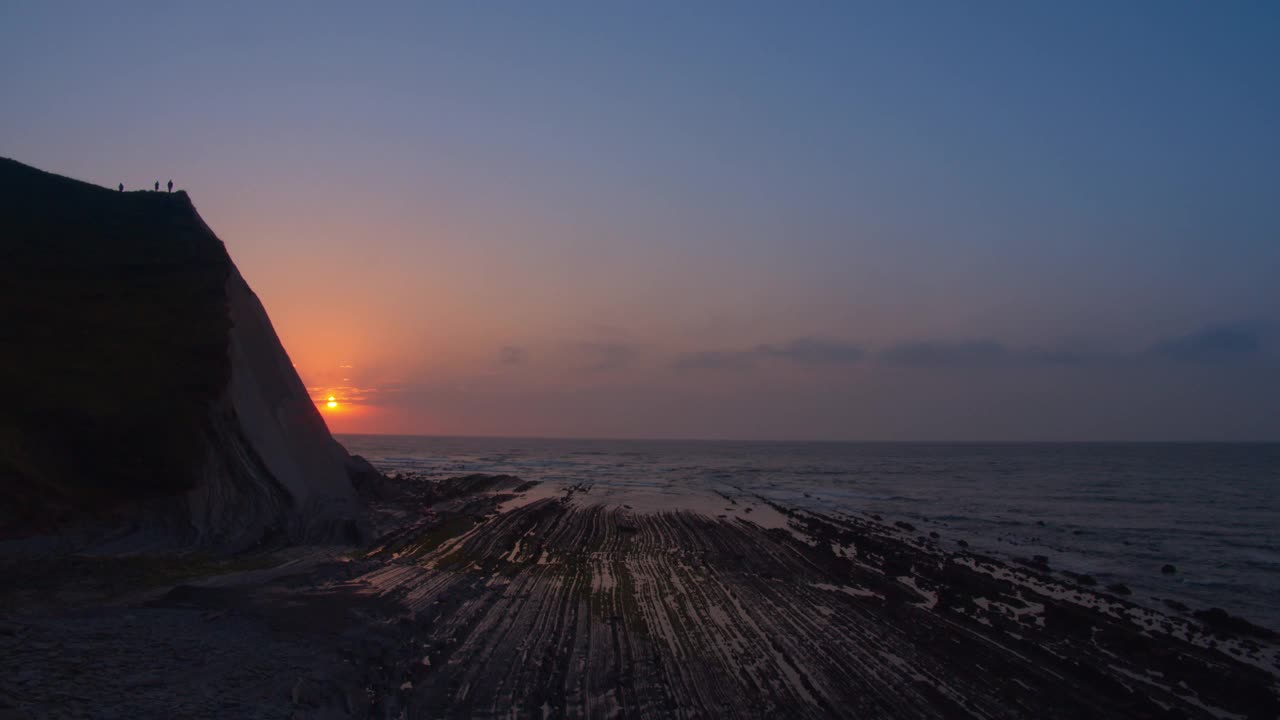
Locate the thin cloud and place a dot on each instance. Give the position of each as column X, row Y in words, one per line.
column 599, row 357
column 814, row 351
column 345, row 393
column 1210, row 345
column 986, row 353
column 938, row 354
column 714, row 360
column 512, row 355
column 808, row 351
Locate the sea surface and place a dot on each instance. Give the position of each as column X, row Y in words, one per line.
column 1116, row 511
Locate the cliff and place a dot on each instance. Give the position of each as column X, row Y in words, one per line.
column 145, row 387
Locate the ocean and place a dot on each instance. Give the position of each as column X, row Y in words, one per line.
column 1118, row 512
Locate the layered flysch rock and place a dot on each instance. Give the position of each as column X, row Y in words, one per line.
column 147, row 387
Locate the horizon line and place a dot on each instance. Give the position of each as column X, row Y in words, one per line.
column 809, row 441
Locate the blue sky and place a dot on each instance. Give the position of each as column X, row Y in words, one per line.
column 824, row 220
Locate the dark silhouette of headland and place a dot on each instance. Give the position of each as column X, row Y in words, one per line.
column 128, row 334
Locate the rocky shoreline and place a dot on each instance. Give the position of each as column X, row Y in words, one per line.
column 485, row 596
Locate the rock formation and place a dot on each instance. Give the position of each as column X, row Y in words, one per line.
column 147, row 389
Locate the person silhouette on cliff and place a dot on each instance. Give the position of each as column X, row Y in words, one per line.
column 170, row 186
column 157, row 186
column 121, row 187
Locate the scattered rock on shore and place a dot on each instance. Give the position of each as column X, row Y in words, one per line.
column 1221, row 621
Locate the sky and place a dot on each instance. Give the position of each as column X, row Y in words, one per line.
column 794, row 221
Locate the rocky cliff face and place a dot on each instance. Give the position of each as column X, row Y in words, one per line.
column 146, row 387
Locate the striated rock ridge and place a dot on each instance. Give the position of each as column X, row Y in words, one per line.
column 148, row 389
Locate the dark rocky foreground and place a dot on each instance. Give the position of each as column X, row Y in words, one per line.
column 487, row 597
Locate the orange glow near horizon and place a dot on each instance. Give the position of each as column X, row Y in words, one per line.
column 344, row 415
column 329, row 404
column 345, row 407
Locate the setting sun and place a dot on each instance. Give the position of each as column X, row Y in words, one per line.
column 333, row 402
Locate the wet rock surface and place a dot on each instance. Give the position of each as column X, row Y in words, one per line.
column 485, row 596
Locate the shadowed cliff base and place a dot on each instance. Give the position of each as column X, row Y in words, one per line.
column 149, row 399
column 489, row 597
